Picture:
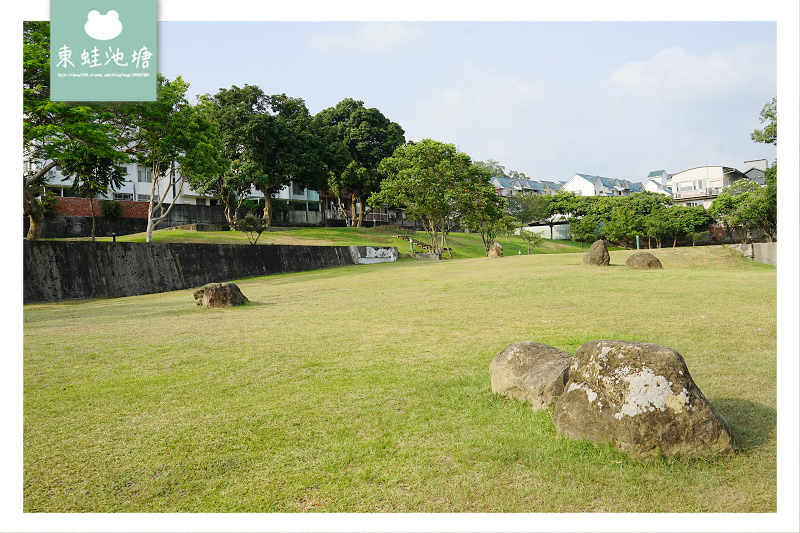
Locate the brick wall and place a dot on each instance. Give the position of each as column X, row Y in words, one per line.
column 79, row 207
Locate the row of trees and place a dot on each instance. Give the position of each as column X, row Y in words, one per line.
column 223, row 145
column 619, row 218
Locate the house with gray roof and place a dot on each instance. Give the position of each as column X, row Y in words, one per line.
column 507, row 186
column 588, row 185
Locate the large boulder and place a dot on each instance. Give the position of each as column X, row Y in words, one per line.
column 639, row 398
column 643, row 260
column 598, row 254
column 495, row 250
column 219, row 295
column 530, row 372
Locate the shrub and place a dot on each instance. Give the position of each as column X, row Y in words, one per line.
column 110, row 208
column 47, row 203
column 252, row 226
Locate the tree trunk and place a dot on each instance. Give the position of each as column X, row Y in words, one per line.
column 267, row 217
column 31, row 209
column 150, row 222
column 91, row 209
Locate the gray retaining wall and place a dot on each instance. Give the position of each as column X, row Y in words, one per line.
column 763, row 252
column 60, row 270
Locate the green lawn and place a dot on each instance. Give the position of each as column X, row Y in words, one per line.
column 463, row 245
column 366, row 389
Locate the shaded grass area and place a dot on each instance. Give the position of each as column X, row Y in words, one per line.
column 366, row 389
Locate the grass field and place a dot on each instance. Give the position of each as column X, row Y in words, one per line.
column 463, row 245
column 366, row 389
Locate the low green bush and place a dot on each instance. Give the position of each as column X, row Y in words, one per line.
column 111, row 208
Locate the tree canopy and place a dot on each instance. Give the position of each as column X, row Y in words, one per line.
column 769, row 115
column 356, row 139
column 56, row 131
column 438, row 186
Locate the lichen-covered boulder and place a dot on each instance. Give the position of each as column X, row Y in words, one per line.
column 219, row 295
column 495, row 250
column 640, row 398
column 643, row 260
column 598, row 254
column 530, row 372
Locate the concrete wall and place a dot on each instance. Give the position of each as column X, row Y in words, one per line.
column 59, row 270
column 74, row 222
column 763, row 252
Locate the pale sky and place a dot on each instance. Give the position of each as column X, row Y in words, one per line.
column 549, row 99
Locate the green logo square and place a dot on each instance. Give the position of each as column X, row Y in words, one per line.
column 103, row 50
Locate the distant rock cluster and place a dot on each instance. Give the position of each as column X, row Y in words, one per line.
column 637, row 397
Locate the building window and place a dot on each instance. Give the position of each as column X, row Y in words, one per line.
column 143, row 197
column 297, row 190
column 145, row 175
column 692, row 185
column 124, row 170
column 200, row 201
column 123, row 196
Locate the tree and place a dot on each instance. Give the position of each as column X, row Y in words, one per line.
column 93, row 174
column 660, row 225
column 436, row 184
column 766, row 211
column 525, row 208
column 584, row 229
column 687, row 221
column 53, row 130
column 356, row 140
column 496, row 170
column 220, row 180
column 252, row 227
column 624, row 224
column 747, row 206
column 532, row 239
column 769, row 134
column 175, row 141
column 485, row 213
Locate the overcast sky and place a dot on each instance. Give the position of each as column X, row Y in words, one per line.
column 549, row 99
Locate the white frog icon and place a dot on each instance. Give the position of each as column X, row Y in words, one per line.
column 103, row 27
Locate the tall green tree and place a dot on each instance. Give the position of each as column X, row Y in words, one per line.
column 217, row 179
column 356, row 140
column 269, row 142
column 175, row 141
column 769, row 116
column 436, row 185
column 766, row 212
column 746, row 206
column 55, row 130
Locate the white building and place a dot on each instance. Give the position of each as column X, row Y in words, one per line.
column 659, row 181
column 699, row 186
column 586, row 185
column 139, row 179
